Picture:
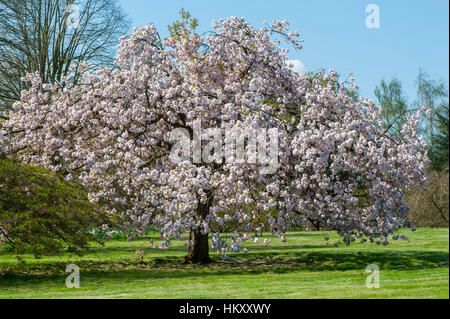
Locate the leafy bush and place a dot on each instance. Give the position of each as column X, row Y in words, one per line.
column 42, row 214
column 108, row 234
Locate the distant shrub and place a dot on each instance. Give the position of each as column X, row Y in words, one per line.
column 430, row 207
column 108, row 234
column 42, row 214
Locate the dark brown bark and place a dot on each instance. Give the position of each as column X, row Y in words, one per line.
column 199, row 252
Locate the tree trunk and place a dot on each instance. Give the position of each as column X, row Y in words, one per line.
column 199, row 252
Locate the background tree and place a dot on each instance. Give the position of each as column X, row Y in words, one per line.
column 433, row 125
column 429, row 207
column 52, row 37
column 433, row 95
column 440, row 149
column 393, row 105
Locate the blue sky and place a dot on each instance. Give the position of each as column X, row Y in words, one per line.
column 411, row 34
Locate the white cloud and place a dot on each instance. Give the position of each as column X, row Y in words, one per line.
column 298, row 66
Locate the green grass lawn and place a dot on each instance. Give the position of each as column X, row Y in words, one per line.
column 304, row 267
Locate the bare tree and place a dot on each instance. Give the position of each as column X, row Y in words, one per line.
column 52, row 37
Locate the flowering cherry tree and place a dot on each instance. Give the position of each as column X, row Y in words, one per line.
column 335, row 165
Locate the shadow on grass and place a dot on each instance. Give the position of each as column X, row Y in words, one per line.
column 254, row 263
column 181, row 250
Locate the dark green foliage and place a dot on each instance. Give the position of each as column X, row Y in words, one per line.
column 42, row 214
column 439, row 152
